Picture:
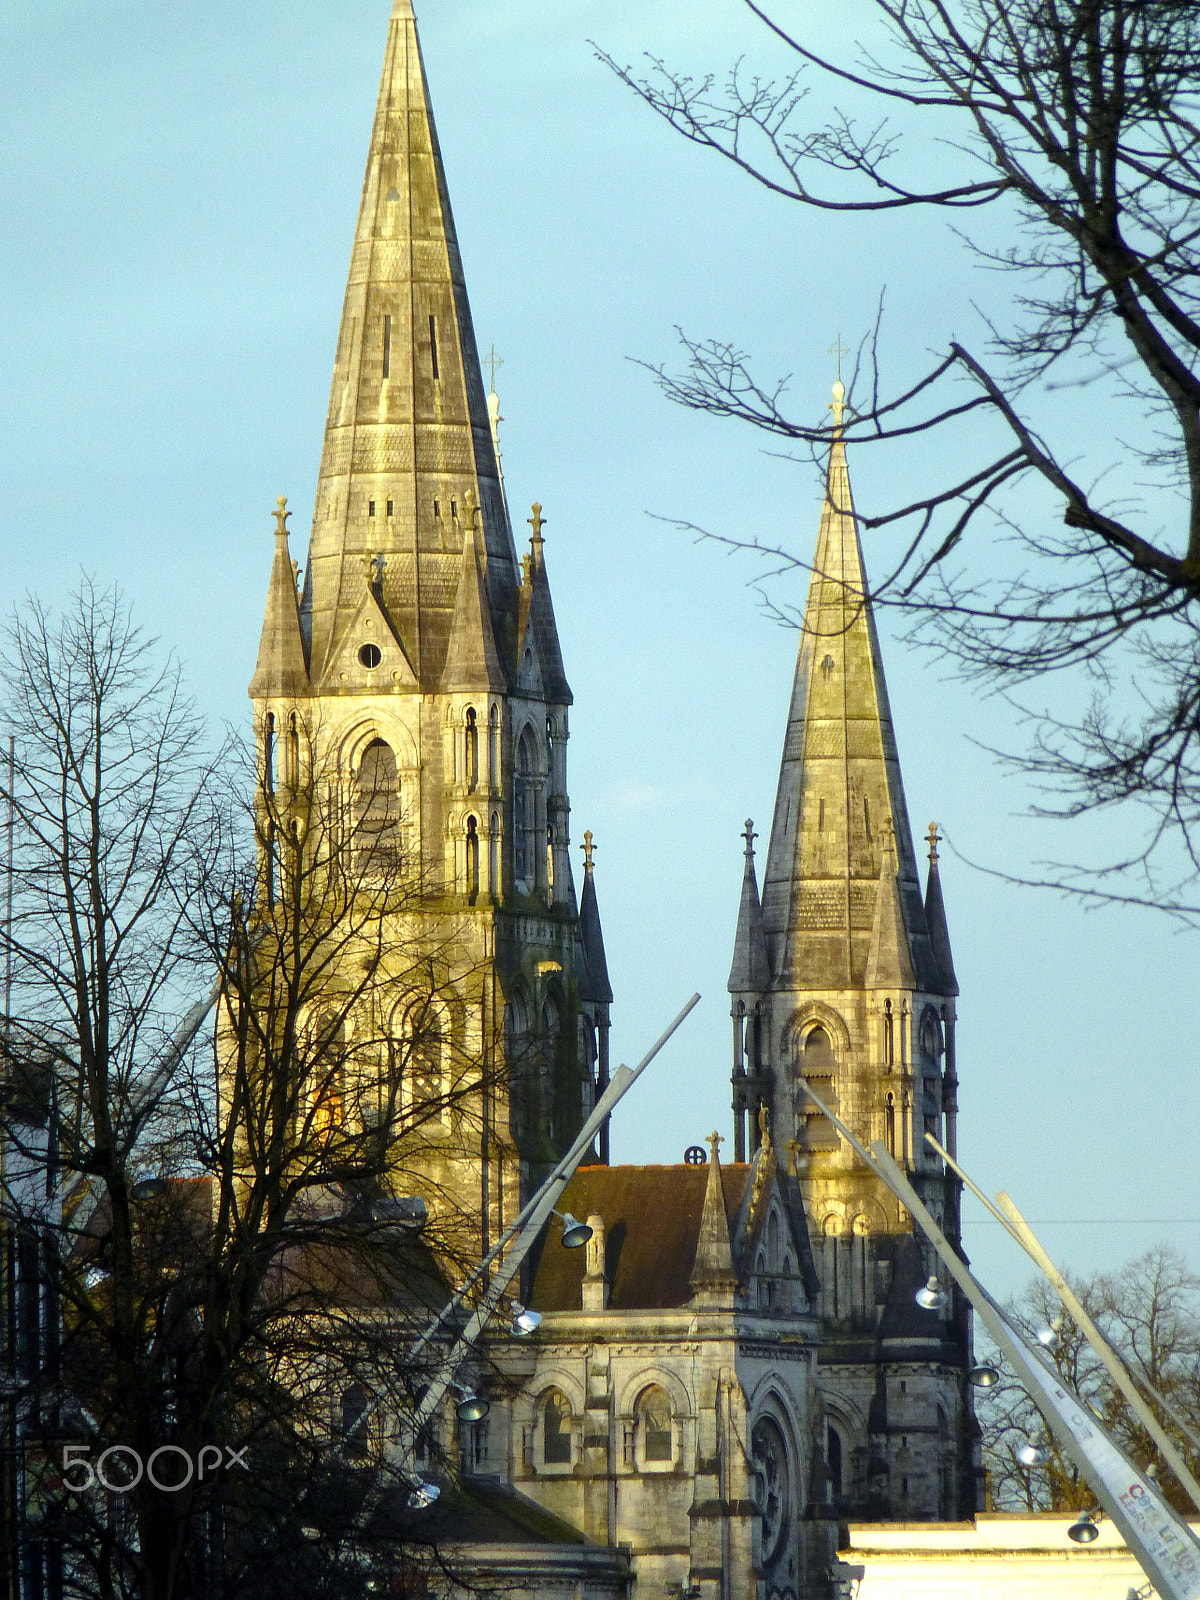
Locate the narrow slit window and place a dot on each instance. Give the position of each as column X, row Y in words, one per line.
column 821, row 817
column 391, row 508
column 437, row 510
column 433, row 346
column 370, row 508
column 867, row 815
column 387, row 347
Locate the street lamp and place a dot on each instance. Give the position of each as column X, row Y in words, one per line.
column 984, row 1375
column 1085, row 1530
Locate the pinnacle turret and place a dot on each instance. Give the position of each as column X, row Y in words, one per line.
column 281, row 670
column 751, row 970
column 594, row 982
column 935, row 918
column 472, row 659
column 713, row 1272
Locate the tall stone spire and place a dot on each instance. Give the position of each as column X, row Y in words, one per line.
column 407, row 438
column 839, row 784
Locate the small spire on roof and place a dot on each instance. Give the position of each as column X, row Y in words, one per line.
column 281, row 515
column 589, row 851
column 714, row 1142
column 934, row 836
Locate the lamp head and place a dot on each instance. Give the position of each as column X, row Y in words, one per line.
column 984, row 1375
column 575, row 1233
column 525, row 1321
column 932, row 1297
column 471, row 1407
column 1085, row 1530
column 422, row 1495
column 1032, row 1453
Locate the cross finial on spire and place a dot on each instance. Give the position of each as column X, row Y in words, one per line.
column 934, row 836
column 749, row 835
column 837, row 350
column 281, row 515
column 589, row 851
column 493, row 364
column 714, row 1142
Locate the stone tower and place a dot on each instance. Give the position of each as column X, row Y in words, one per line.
column 842, row 976
column 417, row 677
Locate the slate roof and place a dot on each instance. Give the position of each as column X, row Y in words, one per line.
column 652, row 1217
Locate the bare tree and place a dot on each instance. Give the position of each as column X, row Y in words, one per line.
column 231, row 1253
column 1149, row 1312
column 1061, row 138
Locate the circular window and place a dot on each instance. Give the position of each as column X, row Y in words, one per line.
column 370, row 655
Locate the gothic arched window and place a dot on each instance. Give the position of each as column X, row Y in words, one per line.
column 525, row 828
column 327, row 1071
column 494, row 747
column 424, row 1035
column 354, row 1422
column 818, row 1064
column 655, row 1432
column 472, row 749
column 269, row 753
column 472, row 858
column 494, row 855
column 556, row 1430
column 377, row 806
column 833, row 1461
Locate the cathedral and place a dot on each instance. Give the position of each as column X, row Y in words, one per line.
column 735, row 1364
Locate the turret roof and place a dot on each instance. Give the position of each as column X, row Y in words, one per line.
column 281, row 669
column 751, row 970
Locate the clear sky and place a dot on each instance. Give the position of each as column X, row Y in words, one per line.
column 179, row 186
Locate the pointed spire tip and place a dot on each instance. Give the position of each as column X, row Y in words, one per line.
column 402, row 10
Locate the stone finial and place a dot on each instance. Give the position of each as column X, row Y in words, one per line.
column 296, row 575
column 749, row 835
column 281, row 515
column 934, row 836
column 838, row 406
column 470, row 507
column 589, row 851
column 595, row 1283
column 714, row 1142
column 764, row 1126
column 368, row 568
column 889, row 838
column 792, row 1146
column 537, row 522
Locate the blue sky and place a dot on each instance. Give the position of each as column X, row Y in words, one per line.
column 179, row 187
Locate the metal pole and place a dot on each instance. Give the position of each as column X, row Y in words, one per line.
column 8, row 878
column 1006, row 1213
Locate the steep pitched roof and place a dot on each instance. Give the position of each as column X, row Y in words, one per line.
column 751, row 970
column 537, row 612
column 653, row 1221
column 407, row 437
column 472, row 660
column 594, row 984
column 935, row 918
column 281, row 668
column 890, row 961
column 839, row 782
